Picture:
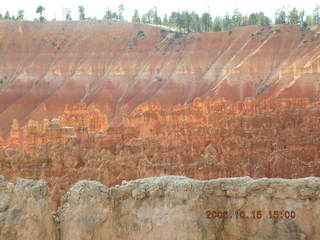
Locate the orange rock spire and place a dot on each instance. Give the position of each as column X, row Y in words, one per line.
column 2, row 142
column 14, row 138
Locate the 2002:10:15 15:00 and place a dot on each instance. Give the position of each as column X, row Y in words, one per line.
column 255, row 214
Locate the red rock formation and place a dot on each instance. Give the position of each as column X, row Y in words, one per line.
column 75, row 124
column 2, row 143
column 203, row 105
column 14, row 138
column 48, row 65
column 204, row 139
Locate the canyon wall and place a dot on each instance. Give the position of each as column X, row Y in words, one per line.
column 166, row 207
column 119, row 66
column 113, row 101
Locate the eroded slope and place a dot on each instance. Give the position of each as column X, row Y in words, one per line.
column 117, row 65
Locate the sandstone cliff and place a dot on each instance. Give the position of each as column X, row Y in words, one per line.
column 45, row 66
column 167, row 207
column 111, row 101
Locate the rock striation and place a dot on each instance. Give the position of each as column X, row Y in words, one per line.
column 113, row 101
column 166, row 207
column 121, row 65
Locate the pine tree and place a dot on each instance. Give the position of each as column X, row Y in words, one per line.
column 206, row 21
column 135, row 17
column 144, row 19
column 316, row 17
column 108, row 15
column 155, row 18
column 263, row 20
column 115, row 16
column 81, row 13
column 309, row 21
column 179, row 21
column 293, row 17
column 68, row 15
column 195, row 22
column 280, row 17
column 165, row 20
column 217, row 24
column 148, row 17
column 236, row 18
column 7, row 15
column 120, row 12
column 185, row 20
column 20, row 14
column 301, row 18
column 173, row 19
column 40, row 10
column 226, row 23
column 253, row 19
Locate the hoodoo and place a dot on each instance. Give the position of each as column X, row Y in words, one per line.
column 113, row 101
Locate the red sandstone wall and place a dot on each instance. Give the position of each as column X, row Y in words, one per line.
column 45, row 66
column 93, row 100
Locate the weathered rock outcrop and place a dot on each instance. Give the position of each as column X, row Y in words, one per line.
column 205, row 139
column 167, row 207
column 25, row 211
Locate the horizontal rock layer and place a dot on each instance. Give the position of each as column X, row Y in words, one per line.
column 113, row 101
column 117, row 65
column 166, row 207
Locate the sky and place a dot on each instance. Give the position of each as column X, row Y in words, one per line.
column 97, row 8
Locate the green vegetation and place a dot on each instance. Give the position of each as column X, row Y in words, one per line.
column 190, row 21
column 140, row 34
column 187, row 21
column 120, row 12
column 20, row 15
column 7, row 15
column 68, row 15
column 40, row 11
column 82, row 15
column 135, row 17
column 109, row 15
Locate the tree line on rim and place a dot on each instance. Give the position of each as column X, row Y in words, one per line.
column 190, row 21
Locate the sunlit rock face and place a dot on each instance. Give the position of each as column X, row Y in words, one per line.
column 101, row 101
column 75, row 124
column 204, row 139
column 167, row 207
